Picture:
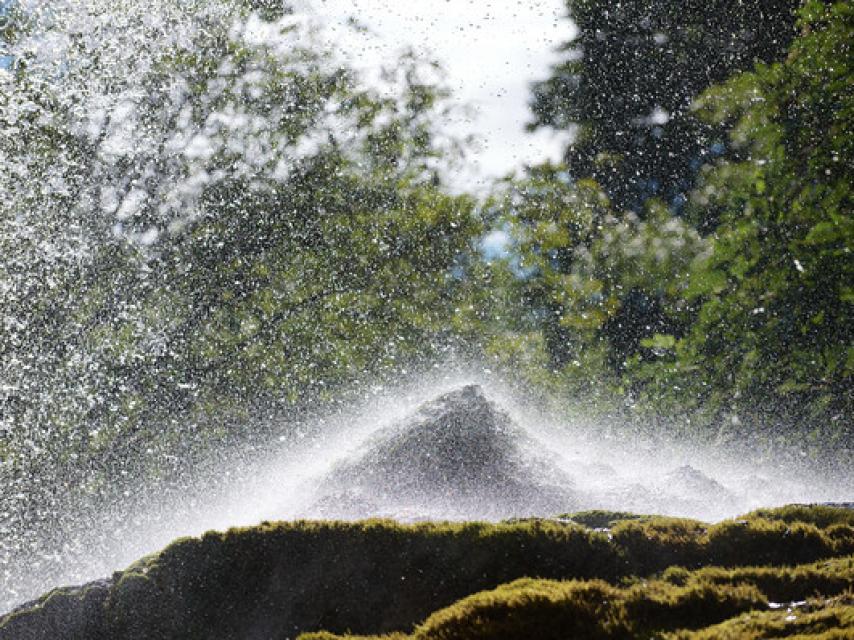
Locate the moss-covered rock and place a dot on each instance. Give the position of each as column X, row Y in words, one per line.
column 71, row 613
column 820, row 515
column 710, row 603
column 584, row 609
column 831, row 619
column 277, row 580
column 599, row 519
column 779, row 584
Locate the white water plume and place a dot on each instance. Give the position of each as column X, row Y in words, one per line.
column 456, row 448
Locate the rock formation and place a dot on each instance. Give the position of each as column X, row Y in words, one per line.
column 278, row 580
column 458, row 454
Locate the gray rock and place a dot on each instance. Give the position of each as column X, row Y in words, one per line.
column 459, row 454
column 70, row 613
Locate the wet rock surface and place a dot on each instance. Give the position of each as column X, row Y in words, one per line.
column 70, row 613
column 461, row 456
column 457, row 454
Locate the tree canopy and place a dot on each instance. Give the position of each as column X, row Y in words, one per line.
column 209, row 211
column 226, row 218
column 626, row 85
column 776, row 326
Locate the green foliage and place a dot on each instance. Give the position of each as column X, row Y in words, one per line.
column 597, row 292
column 278, row 231
column 747, row 331
column 773, row 336
column 239, row 223
column 626, row 83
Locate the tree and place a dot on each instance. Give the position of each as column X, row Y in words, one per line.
column 627, row 82
column 551, row 302
column 772, row 344
column 208, row 219
column 573, row 268
column 206, row 210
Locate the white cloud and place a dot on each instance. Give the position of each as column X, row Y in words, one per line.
column 492, row 50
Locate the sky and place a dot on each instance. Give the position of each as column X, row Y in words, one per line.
column 492, row 50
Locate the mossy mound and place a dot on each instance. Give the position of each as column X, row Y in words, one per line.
column 820, row 515
column 599, row 519
column 584, row 609
column 830, row 619
column 277, row 580
column 704, row 606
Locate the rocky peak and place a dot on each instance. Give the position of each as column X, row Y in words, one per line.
column 459, row 451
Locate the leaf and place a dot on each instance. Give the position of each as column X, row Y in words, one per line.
column 829, row 232
column 659, row 341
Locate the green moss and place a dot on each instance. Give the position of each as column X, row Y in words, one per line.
column 781, row 584
column 676, row 575
column 74, row 613
column 656, row 543
column 598, row 519
column 369, row 576
column 772, row 542
column 702, row 608
column 660, row 606
column 281, row 579
column 653, row 544
column 643, row 609
column 842, row 536
column 325, row 635
column 685, row 599
column 828, row 620
column 527, row 608
column 547, row 610
column 821, row 516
